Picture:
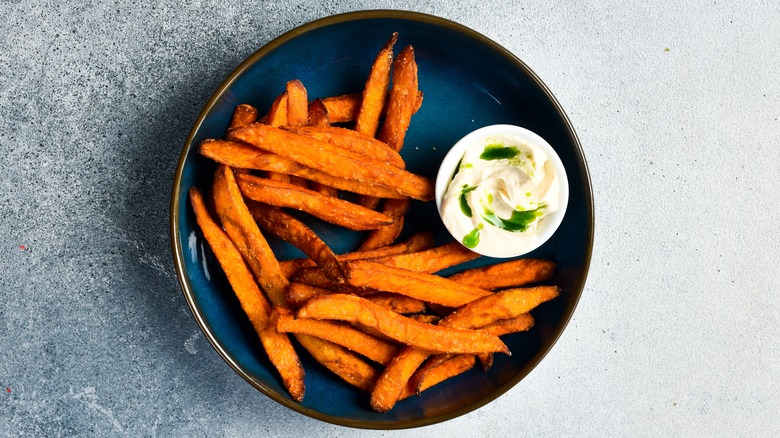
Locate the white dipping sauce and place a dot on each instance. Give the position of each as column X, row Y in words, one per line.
column 505, row 190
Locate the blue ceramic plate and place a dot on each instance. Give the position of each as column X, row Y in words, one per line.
column 469, row 81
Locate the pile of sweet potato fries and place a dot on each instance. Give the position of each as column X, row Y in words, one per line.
column 379, row 317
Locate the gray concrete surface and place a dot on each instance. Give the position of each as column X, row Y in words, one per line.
column 677, row 107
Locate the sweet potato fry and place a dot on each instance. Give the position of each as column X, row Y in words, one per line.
column 501, row 327
column 430, row 260
column 439, row 370
column 334, row 160
column 277, row 346
column 417, row 242
column 244, row 232
column 340, row 361
column 509, row 303
column 333, row 210
column 402, row 100
column 318, row 114
column 354, row 309
column 425, row 318
column 396, row 209
column 375, row 91
column 391, row 383
column 373, row 348
column 297, row 104
column 244, row 156
column 277, row 115
column 513, row 273
column 394, row 378
column 243, row 115
column 299, row 293
column 396, row 302
column 426, row 287
column 295, row 232
column 342, row 108
column 353, row 141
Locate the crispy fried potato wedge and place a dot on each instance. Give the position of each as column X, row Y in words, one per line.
column 332, row 210
column 417, row 242
column 244, row 232
column 375, row 91
column 340, row 361
column 318, row 114
column 297, row 104
column 426, row 287
column 396, row 302
column 277, row 346
column 353, row 141
column 509, row 303
column 296, row 233
column 513, row 273
column 354, row 309
column 243, row 115
column 430, row 260
column 373, row 348
column 391, row 383
column 244, row 156
column 396, row 209
column 402, row 99
column 334, row 160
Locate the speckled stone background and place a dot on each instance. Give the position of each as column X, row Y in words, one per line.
column 676, row 105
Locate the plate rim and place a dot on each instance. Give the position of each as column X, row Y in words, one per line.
column 178, row 251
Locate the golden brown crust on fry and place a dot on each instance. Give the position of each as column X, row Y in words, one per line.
column 513, row 273
column 353, row 141
column 417, row 242
column 299, row 293
column 334, row 160
column 277, row 346
column 318, row 114
column 244, row 232
column 340, row 361
column 426, row 287
column 249, row 295
column 402, row 101
column 375, row 91
column 438, row 369
column 297, row 104
column 277, row 115
column 396, row 209
column 296, row 233
column 407, row 331
column 394, row 378
column 332, row 210
column 501, row 327
column 396, row 302
column 282, row 354
column 243, row 115
column 373, row 348
column 242, row 155
column 430, row 260
column 506, row 304
column 342, row 108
